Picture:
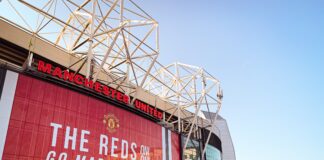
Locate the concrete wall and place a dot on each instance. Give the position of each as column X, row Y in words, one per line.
column 223, row 133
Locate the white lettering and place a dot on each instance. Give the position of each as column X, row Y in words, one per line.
column 124, row 149
column 133, row 147
column 70, row 138
column 84, row 140
column 50, row 155
column 63, row 156
column 103, row 144
column 113, row 147
column 85, row 158
column 55, row 130
column 79, row 157
column 145, row 152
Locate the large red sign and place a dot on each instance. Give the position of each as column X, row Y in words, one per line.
column 98, row 87
column 175, row 146
column 49, row 122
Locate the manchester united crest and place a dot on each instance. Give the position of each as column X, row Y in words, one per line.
column 111, row 122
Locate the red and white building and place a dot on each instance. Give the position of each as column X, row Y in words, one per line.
column 84, row 83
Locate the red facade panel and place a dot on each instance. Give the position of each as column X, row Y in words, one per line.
column 49, row 121
column 175, row 146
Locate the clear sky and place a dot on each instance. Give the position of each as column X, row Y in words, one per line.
column 269, row 55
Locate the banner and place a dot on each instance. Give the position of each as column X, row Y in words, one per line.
column 49, row 122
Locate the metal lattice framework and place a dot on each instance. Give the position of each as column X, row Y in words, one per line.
column 109, row 38
column 117, row 43
column 189, row 88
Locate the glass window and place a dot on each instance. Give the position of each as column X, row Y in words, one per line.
column 212, row 153
column 192, row 151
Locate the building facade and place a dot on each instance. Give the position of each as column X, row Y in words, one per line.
column 63, row 103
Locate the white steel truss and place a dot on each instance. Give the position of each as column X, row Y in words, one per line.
column 115, row 38
column 189, row 88
column 117, row 43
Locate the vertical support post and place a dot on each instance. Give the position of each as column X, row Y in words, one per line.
column 90, row 50
column 197, row 110
column 178, row 96
column 157, row 38
column 219, row 104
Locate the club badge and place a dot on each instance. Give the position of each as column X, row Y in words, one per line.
column 111, row 123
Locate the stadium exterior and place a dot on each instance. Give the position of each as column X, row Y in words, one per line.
column 102, row 94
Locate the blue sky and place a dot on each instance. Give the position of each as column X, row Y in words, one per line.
column 269, row 56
